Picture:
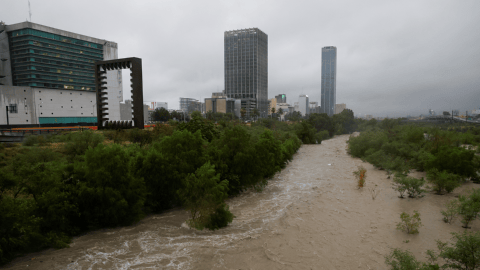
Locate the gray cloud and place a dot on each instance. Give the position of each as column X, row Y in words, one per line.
column 394, row 58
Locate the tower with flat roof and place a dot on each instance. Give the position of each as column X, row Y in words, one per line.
column 329, row 79
column 246, row 69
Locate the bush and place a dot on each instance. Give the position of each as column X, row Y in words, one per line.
column 165, row 164
column 203, row 195
column 108, row 194
column 469, row 207
column 306, row 132
column 451, row 212
column 409, row 224
column 361, row 175
column 140, row 136
column 402, row 260
column 30, row 140
column 411, row 185
column 80, row 141
column 220, row 218
column 443, row 181
column 464, row 253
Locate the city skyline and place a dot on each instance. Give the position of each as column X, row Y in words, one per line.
column 396, row 58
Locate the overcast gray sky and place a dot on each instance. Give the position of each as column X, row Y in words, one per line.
column 394, row 58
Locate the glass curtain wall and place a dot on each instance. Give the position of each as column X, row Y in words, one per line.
column 246, row 68
column 41, row 59
column 329, row 79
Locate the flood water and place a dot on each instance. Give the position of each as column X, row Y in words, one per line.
column 309, row 216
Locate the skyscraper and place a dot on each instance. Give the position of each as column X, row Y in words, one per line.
column 246, row 68
column 329, row 79
column 282, row 98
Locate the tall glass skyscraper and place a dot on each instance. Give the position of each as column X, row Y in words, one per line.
column 329, row 79
column 246, row 68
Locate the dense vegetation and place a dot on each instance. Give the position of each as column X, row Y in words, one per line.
column 400, row 148
column 448, row 155
column 52, row 188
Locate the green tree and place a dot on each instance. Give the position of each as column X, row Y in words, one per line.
column 109, row 195
column 203, row 193
column 464, row 253
column 322, row 122
column 306, row 132
column 256, row 113
column 243, row 113
column 443, row 180
column 161, row 114
column 469, row 207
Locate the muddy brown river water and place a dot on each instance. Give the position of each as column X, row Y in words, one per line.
column 310, row 216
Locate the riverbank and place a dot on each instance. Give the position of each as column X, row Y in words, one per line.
column 310, row 216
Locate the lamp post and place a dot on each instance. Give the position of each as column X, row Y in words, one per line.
column 8, row 123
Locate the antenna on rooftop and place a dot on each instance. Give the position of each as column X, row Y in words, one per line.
column 29, row 11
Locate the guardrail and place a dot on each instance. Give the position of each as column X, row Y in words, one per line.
column 17, row 135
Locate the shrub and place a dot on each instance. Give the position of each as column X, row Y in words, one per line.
column 140, row 136
column 306, row 132
column 165, row 164
column 455, row 160
column 402, row 260
column 443, row 181
column 451, row 212
column 80, row 141
column 207, row 128
column 203, row 194
column 361, row 175
column 464, row 253
column 220, row 218
column 108, row 194
column 162, row 130
column 411, row 185
column 30, row 140
column 469, row 207
column 409, row 224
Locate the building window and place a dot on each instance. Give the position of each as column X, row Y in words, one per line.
column 12, row 108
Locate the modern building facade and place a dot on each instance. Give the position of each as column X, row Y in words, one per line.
column 340, row 107
column 246, row 69
column 126, row 112
column 303, row 105
column 329, row 79
column 38, row 58
column 282, row 98
column 272, row 103
column 186, row 103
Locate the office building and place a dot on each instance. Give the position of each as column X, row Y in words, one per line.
column 126, row 112
column 304, row 105
column 329, row 79
column 272, row 103
column 340, row 107
column 246, row 69
column 47, row 75
column 188, row 105
column 282, row 98
column 158, row 105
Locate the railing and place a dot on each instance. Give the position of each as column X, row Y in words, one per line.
column 17, row 135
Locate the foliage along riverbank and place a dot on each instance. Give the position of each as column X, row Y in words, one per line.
column 449, row 158
column 53, row 188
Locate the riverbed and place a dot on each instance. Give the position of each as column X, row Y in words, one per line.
column 311, row 215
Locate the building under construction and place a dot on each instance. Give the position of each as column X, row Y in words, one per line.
column 246, row 69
